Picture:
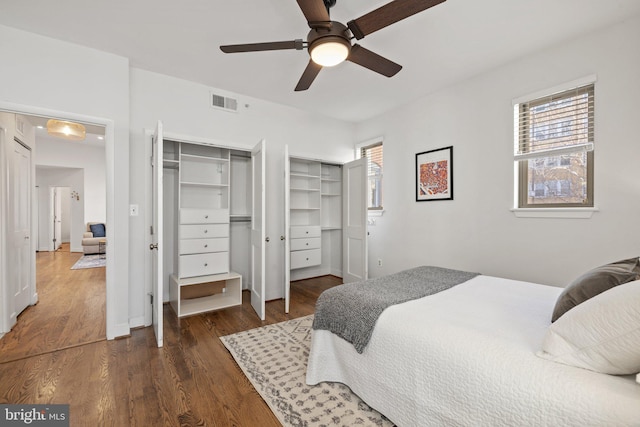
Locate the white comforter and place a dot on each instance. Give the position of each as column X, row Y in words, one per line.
column 466, row 356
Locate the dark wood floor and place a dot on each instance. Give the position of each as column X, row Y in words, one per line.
column 70, row 309
column 191, row 381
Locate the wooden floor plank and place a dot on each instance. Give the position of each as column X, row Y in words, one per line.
column 70, row 309
column 191, row 381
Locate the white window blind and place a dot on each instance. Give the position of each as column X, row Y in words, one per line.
column 373, row 153
column 557, row 124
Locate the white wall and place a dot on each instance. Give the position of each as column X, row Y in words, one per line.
column 53, row 152
column 477, row 231
column 183, row 108
column 52, row 75
column 73, row 178
column 66, row 214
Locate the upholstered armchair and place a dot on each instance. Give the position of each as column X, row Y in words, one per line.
column 96, row 233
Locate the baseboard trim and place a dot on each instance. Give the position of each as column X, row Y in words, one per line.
column 136, row 322
column 119, row 330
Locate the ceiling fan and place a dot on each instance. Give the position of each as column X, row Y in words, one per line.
column 329, row 42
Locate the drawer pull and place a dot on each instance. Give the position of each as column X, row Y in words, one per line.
column 307, row 259
column 206, row 231
column 206, row 246
column 206, row 217
column 306, row 232
column 307, row 244
column 205, row 264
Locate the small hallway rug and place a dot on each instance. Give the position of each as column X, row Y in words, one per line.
column 90, row 261
column 274, row 359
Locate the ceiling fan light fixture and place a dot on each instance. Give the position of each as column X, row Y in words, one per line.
column 66, row 130
column 330, row 51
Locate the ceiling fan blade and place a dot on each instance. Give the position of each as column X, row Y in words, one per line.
column 256, row 47
column 315, row 12
column 308, row 76
column 388, row 14
column 373, row 61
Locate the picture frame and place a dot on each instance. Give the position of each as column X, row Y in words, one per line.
column 434, row 175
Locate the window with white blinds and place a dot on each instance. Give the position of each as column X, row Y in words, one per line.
column 554, row 143
column 373, row 153
column 556, row 124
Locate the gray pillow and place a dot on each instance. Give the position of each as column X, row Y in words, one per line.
column 595, row 282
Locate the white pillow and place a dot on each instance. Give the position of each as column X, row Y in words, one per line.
column 602, row 334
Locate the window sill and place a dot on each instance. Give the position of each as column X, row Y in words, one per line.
column 580, row 213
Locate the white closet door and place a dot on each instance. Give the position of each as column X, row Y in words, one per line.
column 258, row 229
column 354, row 220
column 156, row 245
column 20, row 227
column 287, row 226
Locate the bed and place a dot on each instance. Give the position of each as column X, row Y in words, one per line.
column 470, row 356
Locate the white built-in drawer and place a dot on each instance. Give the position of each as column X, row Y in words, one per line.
column 300, row 232
column 301, row 259
column 204, row 216
column 203, row 264
column 302, row 244
column 197, row 246
column 204, row 231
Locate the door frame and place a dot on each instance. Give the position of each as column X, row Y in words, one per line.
column 109, row 125
column 177, row 137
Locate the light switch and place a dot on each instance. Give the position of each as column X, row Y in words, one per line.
column 133, row 210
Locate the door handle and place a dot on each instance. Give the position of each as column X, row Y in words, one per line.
column 153, row 246
column 281, row 237
column 267, row 240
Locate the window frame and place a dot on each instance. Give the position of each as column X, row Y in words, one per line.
column 360, row 149
column 521, row 107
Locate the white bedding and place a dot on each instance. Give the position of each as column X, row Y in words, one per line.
column 466, row 356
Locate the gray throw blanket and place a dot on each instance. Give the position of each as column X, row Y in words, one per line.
column 351, row 310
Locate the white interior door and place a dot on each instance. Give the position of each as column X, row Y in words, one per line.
column 287, row 226
column 20, row 227
column 156, row 244
column 354, row 220
column 57, row 218
column 258, row 229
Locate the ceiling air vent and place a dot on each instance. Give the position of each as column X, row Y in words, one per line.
column 224, row 103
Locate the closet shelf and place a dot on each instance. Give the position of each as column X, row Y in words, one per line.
column 310, row 190
column 203, row 184
column 303, row 175
column 206, row 159
column 170, row 164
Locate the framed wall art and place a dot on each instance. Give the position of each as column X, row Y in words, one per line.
column 434, row 175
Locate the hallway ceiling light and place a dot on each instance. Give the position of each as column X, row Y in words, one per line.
column 66, row 130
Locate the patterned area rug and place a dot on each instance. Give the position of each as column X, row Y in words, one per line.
column 90, row 261
column 274, row 358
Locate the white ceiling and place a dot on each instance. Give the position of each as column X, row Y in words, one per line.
column 448, row 43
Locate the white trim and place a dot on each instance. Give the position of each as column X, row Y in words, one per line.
column 583, row 81
column 554, row 152
column 113, row 330
column 5, row 325
column 577, row 213
column 136, row 322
